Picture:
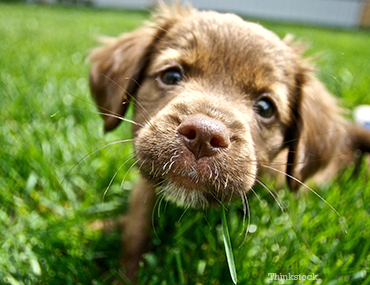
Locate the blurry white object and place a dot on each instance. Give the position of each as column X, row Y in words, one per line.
column 361, row 114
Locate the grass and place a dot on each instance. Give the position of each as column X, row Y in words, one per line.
column 50, row 193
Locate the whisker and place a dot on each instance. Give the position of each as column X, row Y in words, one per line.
column 128, row 170
column 160, row 192
column 282, row 207
column 269, row 217
column 272, row 195
column 136, row 102
column 103, row 114
column 96, row 105
column 159, row 206
column 142, row 163
column 245, row 200
column 305, row 185
column 184, row 212
column 158, row 203
column 77, row 154
column 91, row 153
column 115, row 174
column 278, row 145
column 296, row 228
column 216, row 198
column 110, row 165
column 244, row 207
column 181, row 235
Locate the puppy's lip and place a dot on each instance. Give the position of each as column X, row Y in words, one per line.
column 191, row 182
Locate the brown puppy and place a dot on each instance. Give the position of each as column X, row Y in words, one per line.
column 218, row 100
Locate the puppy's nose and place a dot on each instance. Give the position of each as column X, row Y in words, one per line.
column 204, row 136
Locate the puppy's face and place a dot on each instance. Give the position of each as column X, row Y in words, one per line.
column 216, row 99
column 215, row 102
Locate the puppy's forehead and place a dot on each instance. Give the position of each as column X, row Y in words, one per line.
column 225, row 44
column 225, row 34
column 225, row 48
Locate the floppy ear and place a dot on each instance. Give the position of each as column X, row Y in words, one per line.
column 320, row 135
column 116, row 71
column 119, row 66
column 319, row 129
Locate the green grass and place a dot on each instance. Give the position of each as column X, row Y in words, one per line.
column 49, row 195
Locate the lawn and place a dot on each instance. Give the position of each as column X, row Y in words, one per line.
column 55, row 169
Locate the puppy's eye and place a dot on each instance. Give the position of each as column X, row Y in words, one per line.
column 171, row 77
column 265, row 108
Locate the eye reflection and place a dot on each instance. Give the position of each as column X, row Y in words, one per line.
column 265, row 108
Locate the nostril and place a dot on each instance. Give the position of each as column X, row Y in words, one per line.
column 215, row 142
column 220, row 142
column 189, row 133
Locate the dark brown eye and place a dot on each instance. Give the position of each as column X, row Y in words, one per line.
column 171, row 77
column 265, row 108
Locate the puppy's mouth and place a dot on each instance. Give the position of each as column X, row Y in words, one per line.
column 196, row 164
column 198, row 186
column 187, row 189
column 188, row 174
column 189, row 181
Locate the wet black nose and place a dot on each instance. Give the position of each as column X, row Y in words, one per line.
column 204, row 136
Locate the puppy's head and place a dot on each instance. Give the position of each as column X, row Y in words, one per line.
column 218, row 99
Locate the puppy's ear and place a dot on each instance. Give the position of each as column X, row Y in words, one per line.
column 116, row 71
column 319, row 139
column 319, row 135
column 118, row 67
column 319, row 131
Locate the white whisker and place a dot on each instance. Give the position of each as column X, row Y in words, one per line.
column 305, row 185
column 91, row 153
column 115, row 174
column 282, row 207
column 128, row 170
column 245, row 205
column 158, row 203
column 269, row 217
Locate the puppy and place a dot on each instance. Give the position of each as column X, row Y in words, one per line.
column 218, row 101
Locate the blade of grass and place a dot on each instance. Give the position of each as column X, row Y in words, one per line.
column 179, row 265
column 228, row 248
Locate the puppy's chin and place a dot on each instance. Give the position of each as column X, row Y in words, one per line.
column 184, row 196
column 189, row 190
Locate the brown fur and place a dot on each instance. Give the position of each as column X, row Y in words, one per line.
column 227, row 65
